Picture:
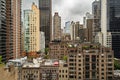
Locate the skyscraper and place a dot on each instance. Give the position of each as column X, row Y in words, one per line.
column 67, row 27
column 74, row 30
column 96, row 11
column 45, row 7
column 110, row 22
column 56, row 26
column 88, row 24
column 3, row 29
column 32, row 30
column 13, row 21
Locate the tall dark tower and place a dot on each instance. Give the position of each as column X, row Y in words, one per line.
column 3, row 29
column 45, row 7
column 110, row 22
column 114, row 24
column 96, row 11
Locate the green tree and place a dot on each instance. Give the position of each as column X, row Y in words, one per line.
column 46, row 57
column 0, row 59
column 46, row 50
column 65, row 58
column 117, row 64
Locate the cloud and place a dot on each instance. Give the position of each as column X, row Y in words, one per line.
column 72, row 10
column 69, row 10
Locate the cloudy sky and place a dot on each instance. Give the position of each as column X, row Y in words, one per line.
column 69, row 10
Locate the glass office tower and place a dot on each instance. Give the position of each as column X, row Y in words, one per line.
column 113, row 24
column 45, row 7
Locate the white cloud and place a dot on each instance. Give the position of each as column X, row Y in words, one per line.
column 72, row 10
column 68, row 9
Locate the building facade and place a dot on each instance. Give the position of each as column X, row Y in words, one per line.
column 74, row 29
column 56, row 27
column 63, row 71
column 13, row 23
column 45, row 7
column 89, row 24
column 111, row 23
column 67, row 27
column 86, row 61
column 90, row 62
column 58, row 49
column 96, row 11
column 32, row 30
column 3, row 29
column 42, row 41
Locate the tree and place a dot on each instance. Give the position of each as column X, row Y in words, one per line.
column 0, row 59
column 116, row 64
column 65, row 58
column 46, row 50
column 46, row 57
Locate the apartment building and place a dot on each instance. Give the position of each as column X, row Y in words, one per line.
column 90, row 62
column 32, row 30
column 86, row 61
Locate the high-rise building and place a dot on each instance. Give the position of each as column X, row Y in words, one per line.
column 45, row 7
column 13, row 21
column 110, row 22
column 96, row 11
column 3, row 29
column 89, row 24
column 32, row 30
column 74, row 29
column 42, row 41
column 90, row 62
column 56, row 27
column 67, row 27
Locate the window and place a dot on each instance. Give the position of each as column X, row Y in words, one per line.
column 102, row 69
column 102, row 77
column 110, row 78
column 102, row 65
column 66, row 76
column 109, row 72
column 93, row 58
column 102, row 73
column 63, row 71
column 93, row 74
column 93, row 66
column 79, row 73
column 109, row 69
column 87, row 59
column 109, row 56
column 66, row 71
column 59, row 75
column 109, row 64
column 102, row 61
column 79, row 60
column 79, row 77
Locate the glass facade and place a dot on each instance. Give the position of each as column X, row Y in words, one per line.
column 3, row 29
column 114, row 15
column 26, row 28
column 45, row 19
column 114, row 24
column 67, row 27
